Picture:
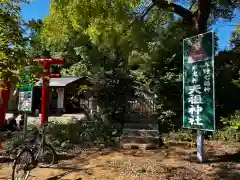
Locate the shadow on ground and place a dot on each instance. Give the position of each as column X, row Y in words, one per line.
column 68, row 170
column 5, row 160
column 225, row 172
column 227, row 168
column 59, row 176
column 213, row 159
column 234, row 157
column 62, row 157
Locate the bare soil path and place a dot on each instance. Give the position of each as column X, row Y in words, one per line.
column 175, row 161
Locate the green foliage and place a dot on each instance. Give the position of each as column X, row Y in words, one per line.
column 227, row 80
column 181, row 135
column 98, row 42
column 63, row 137
column 65, row 132
column 26, row 75
column 164, row 75
column 35, row 48
column 230, row 130
column 14, row 141
column 14, row 47
column 233, row 121
column 115, row 89
column 12, row 43
column 77, row 69
column 235, row 40
column 222, row 9
column 92, row 132
column 105, row 27
column 227, row 134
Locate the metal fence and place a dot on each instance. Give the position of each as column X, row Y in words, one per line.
column 142, row 104
column 146, row 106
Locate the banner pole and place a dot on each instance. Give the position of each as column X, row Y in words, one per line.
column 200, row 146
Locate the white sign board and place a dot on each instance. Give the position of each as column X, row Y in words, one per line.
column 25, row 101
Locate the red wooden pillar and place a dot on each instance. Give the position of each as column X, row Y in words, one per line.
column 45, row 97
column 4, row 94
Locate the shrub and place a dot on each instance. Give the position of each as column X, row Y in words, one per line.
column 14, row 141
column 230, row 130
column 65, row 132
column 233, row 121
column 181, row 135
column 65, row 136
column 227, row 134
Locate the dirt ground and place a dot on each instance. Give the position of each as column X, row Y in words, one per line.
column 175, row 161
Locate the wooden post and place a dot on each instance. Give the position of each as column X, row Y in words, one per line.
column 25, row 124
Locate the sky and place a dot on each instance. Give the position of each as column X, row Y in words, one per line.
column 38, row 9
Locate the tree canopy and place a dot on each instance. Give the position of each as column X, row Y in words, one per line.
column 12, row 43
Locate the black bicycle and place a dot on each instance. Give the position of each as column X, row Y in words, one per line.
column 38, row 153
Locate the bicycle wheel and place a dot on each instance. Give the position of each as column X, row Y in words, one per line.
column 46, row 156
column 26, row 164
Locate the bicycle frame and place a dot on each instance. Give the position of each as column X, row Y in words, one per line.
column 41, row 135
column 35, row 149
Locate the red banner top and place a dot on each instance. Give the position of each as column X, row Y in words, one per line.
column 55, row 75
column 50, row 60
column 51, row 76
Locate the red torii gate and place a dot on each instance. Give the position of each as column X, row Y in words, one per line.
column 4, row 93
column 46, row 64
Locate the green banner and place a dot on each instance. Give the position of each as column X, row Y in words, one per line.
column 198, row 82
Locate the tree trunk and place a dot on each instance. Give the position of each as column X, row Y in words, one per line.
column 197, row 20
column 201, row 16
